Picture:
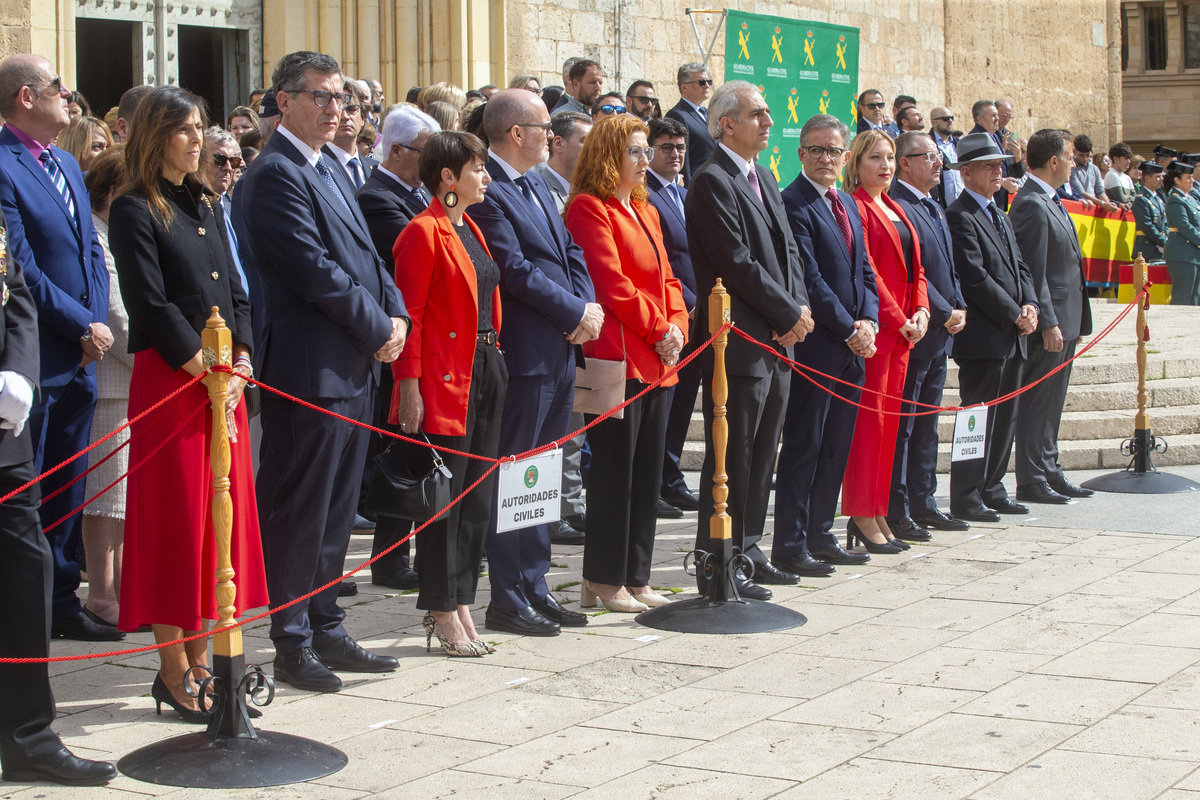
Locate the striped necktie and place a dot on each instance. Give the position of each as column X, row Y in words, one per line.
column 59, row 180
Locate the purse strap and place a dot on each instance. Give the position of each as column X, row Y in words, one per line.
column 437, row 457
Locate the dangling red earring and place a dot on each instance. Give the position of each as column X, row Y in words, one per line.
column 451, row 198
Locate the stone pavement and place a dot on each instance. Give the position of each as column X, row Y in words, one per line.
column 1051, row 656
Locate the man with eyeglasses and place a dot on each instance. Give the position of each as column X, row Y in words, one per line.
column 389, row 199
column 870, row 111
column 332, row 317
column 585, row 83
column 549, row 310
column 737, row 231
column 50, row 232
column 344, row 149
column 641, row 101
column 946, row 138
column 912, row 508
column 819, row 424
column 695, row 87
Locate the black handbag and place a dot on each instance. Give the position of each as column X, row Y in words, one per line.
column 400, row 488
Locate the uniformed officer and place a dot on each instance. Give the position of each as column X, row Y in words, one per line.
column 1182, row 251
column 1150, row 212
column 1163, row 155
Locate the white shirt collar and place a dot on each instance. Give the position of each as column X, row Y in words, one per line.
column 693, row 105
column 508, row 168
column 913, row 189
column 984, row 202
column 561, row 179
column 821, row 190
column 1047, row 188
column 310, row 155
column 663, row 180
column 396, row 178
column 342, row 156
column 741, row 163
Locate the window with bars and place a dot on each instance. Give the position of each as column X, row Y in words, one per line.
column 1155, row 37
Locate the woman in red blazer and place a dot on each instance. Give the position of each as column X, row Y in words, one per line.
column 451, row 378
column 644, row 319
column 895, row 256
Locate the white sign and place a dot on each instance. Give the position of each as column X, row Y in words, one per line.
column 530, row 492
column 970, row 434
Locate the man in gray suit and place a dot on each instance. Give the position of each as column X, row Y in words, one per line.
column 1050, row 246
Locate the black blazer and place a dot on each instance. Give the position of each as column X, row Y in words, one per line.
column 18, row 344
column 1050, row 246
column 995, row 282
column 388, row 207
column 172, row 274
column 747, row 244
column 937, row 259
column 700, row 144
column 674, row 231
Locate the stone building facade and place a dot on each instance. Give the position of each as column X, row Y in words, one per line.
column 1161, row 74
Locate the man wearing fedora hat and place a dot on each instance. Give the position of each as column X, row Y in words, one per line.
column 998, row 288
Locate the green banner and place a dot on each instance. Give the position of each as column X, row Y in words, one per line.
column 802, row 68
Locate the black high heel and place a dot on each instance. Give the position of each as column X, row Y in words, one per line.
column 162, row 694
column 854, row 532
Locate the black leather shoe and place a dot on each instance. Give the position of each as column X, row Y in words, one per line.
column 684, row 499
column 751, row 590
column 940, row 522
column 527, row 622
column 81, row 628
column 347, row 655
column 362, row 524
column 1007, row 506
column 1065, row 487
column 908, row 531
column 1041, row 493
column 979, row 513
column 805, row 564
column 552, row 610
column 836, row 554
column 347, row 588
column 668, row 511
column 304, row 670
column 769, row 573
column 63, row 767
column 400, row 579
column 563, row 533
column 577, row 521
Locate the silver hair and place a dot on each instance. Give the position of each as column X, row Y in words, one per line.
column 404, row 125
column 220, row 136
column 727, row 102
column 908, row 142
column 289, row 75
column 820, row 122
column 688, row 70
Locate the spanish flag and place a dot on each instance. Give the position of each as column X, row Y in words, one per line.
column 1106, row 240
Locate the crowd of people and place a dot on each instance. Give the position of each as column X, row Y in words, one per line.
column 442, row 267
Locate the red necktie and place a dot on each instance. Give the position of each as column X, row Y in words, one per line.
column 843, row 220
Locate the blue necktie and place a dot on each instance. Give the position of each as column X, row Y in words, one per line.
column 936, row 213
column 59, row 180
column 1061, row 207
column 327, row 176
column 355, row 172
column 539, row 215
column 420, row 197
column 226, row 206
column 674, row 192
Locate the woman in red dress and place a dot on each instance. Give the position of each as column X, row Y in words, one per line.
column 895, row 256
column 167, row 236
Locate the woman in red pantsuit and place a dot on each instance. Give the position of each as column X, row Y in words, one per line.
column 895, row 256
column 167, row 237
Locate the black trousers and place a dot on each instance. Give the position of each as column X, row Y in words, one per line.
column 451, row 547
column 388, row 530
column 1040, row 413
column 622, row 492
column 981, row 480
column 26, row 577
column 914, row 468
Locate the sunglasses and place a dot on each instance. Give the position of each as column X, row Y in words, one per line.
column 56, row 84
column 949, row 118
column 233, row 161
column 874, row 106
column 701, row 81
column 612, row 109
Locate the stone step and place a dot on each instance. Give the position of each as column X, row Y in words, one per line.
column 1113, row 425
column 1090, row 369
column 1164, row 393
column 1097, row 454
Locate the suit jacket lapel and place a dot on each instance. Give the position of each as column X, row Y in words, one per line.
column 30, row 163
column 658, row 187
column 743, row 184
column 985, row 220
column 1064, row 221
column 403, row 195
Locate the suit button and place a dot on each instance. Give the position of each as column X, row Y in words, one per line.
column 216, row 275
column 83, row 298
column 854, row 310
column 446, row 378
column 453, row 335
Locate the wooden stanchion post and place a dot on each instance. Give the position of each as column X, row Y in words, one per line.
column 720, row 525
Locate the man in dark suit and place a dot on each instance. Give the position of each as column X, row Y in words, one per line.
column 737, row 231
column 695, row 86
column 1002, row 306
column 50, row 233
column 344, row 147
column 914, row 471
column 987, row 120
column 549, row 308
column 871, row 116
column 29, row 749
column 333, row 315
column 819, row 424
column 391, row 196
column 669, row 139
column 1049, row 244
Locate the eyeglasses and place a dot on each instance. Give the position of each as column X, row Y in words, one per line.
column 671, row 148
column 818, row 153
column 948, row 118
column 353, row 108
column 612, row 109
column 55, row 83
column 874, row 106
column 233, row 161
column 636, row 154
column 414, row 149
column 701, row 81
column 545, row 126
column 321, row 98
column 933, row 157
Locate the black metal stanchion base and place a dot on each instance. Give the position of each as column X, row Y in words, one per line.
column 1130, row 482
column 721, row 609
column 196, row 759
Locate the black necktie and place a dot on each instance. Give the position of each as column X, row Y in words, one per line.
column 1000, row 229
column 935, row 212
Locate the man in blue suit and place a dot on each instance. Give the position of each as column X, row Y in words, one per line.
column 669, row 138
column 50, row 234
column 695, row 87
column 818, row 427
column 332, row 316
column 549, row 308
column 912, row 508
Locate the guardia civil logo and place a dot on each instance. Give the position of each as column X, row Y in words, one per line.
column 531, row 474
column 970, row 424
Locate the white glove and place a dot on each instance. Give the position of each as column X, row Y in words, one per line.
column 16, row 398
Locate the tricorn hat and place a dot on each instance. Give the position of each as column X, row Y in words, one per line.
column 979, row 147
column 1165, row 152
column 1150, row 168
column 1180, row 168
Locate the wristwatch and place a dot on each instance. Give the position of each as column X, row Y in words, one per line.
column 87, row 336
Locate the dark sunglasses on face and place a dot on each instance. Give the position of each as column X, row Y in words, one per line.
column 233, row 161
column 702, row 81
column 612, row 109
column 949, row 118
column 56, row 84
column 874, row 106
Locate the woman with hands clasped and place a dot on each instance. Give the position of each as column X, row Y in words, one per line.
column 610, row 218
column 895, row 256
